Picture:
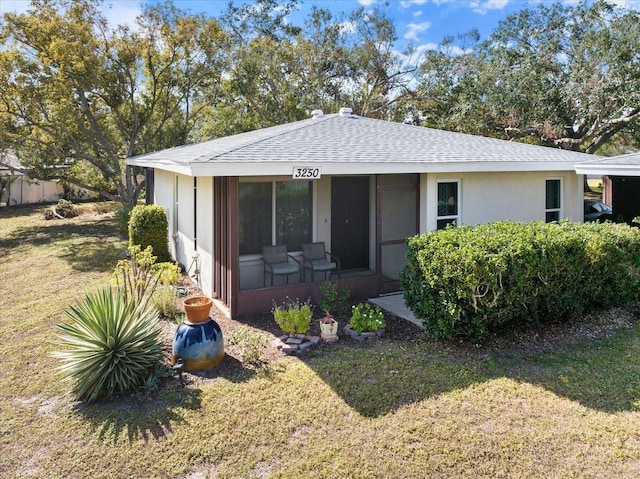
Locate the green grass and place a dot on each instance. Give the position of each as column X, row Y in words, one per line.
column 595, row 184
column 389, row 409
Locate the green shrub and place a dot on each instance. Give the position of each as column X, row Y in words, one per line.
column 332, row 300
column 165, row 300
column 151, row 382
column 250, row 344
column 148, row 226
column 366, row 317
column 168, row 273
column 134, row 277
column 139, row 275
column 110, row 347
column 293, row 317
column 122, row 214
column 472, row 280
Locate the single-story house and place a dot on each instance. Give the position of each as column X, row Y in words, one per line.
column 359, row 185
column 622, row 183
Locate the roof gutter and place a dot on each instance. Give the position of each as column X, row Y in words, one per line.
column 608, row 170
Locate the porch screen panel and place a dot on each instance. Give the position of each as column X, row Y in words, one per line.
column 399, row 213
column 293, row 213
column 398, row 220
column 255, row 217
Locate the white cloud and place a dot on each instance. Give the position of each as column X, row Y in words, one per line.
column 413, row 29
column 121, row 13
column 483, row 7
column 457, row 51
column 630, row 4
column 367, row 3
column 410, row 3
column 420, row 49
column 417, row 13
column 347, row 27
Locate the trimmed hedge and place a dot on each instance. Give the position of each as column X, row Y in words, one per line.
column 469, row 281
column 148, row 226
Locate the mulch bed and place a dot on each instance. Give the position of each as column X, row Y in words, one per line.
column 516, row 343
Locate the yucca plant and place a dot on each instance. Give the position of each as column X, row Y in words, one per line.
column 111, row 345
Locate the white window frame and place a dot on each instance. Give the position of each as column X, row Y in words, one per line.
column 560, row 194
column 457, row 217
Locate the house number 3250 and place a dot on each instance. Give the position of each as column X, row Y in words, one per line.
column 306, row 173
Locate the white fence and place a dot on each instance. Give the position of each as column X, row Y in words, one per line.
column 23, row 190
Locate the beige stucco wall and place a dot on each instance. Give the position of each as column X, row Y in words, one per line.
column 176, row 194
column 518, row 196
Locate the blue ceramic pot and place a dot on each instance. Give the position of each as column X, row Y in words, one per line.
column 199, row 344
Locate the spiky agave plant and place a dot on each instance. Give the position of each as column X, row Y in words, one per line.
column 111, row 345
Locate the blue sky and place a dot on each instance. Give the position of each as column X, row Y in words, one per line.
column 423, row 22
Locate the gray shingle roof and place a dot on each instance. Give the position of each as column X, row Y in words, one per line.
column 623, row 165
column 359, row 144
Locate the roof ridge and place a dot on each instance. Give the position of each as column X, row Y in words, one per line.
column 294, row 126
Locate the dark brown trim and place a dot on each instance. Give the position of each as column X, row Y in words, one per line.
column 233, row 248
column 149, row 184
column 262, row 300
column 225, row 247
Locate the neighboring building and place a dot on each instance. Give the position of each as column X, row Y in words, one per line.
column 622, row 183
column 362, row 186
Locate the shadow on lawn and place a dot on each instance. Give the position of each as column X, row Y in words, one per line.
column 91, row 245
column 137, row 418
column 374, row 379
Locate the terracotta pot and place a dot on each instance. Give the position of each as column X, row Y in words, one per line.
column 201, row 345
column 197, row 309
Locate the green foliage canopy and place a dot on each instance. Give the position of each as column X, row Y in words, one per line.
column 555, row 75
column 77, row 97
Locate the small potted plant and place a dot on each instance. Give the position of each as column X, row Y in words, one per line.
column 328, row 327
column 367, row 321
column 293, row 317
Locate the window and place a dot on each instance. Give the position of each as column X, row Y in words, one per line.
column 552, row 202
column 448, row 200
column 273, row 213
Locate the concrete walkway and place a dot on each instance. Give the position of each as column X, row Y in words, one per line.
column 394, row 303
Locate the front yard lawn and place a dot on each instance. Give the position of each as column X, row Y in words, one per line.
column 564, row 402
